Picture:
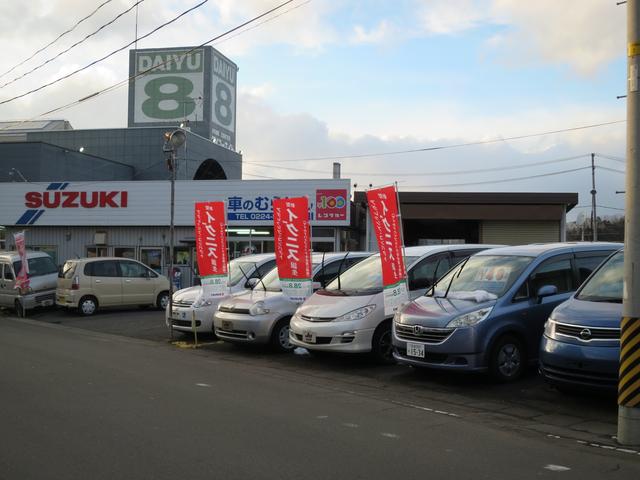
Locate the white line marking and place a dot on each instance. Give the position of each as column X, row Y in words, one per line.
column 351, row 425
column 322, row 417
column 202, row 385
column 557, row 468
column 390, row 435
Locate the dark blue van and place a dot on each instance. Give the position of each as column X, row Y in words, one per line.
column 488, row 313
column 581, row 342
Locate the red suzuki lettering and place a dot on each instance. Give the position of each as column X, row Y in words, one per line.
column 107, row 199
column 48, row 203
column 86, row 203
column 70, row 199
column 33, row 200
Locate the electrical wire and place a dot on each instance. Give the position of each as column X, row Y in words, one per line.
column 64, row 77
column 57, row 38
column 124, row 12
column 611, row 169
column 133, row 77
column 612, row 157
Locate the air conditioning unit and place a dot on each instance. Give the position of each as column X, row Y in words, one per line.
column 100, row 238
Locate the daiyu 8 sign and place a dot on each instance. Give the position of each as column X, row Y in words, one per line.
column 172, row 85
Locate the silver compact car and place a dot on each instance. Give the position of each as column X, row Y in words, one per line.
column 263, row 314
column 189, row 304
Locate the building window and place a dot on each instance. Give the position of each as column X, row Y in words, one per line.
column 93, row 252
column 124, row 252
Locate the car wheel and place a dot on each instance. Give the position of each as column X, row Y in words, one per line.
column 508, row 359
column 20, row 310
column 163, row 300
column 280, row 336
column 381, row 346
column 87, row 306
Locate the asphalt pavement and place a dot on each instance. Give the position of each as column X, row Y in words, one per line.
column 109, row 397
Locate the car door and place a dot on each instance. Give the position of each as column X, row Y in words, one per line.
column 106, row 282
column 137, row 286
column 424, row 274
column 532, row 311
column 7, row 284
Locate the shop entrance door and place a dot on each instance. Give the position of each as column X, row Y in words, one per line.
column 152, row 256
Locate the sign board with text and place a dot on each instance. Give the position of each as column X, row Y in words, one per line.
column 211, row 247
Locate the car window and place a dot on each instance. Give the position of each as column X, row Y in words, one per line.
column 263, row 269
column 106, row 268
column 423, row 275
column 606, row 285
column 8, row 274
column 554, row 271
column 586, row 265
column 37, row 266
column 133, row 269
column 68, row 269
column 329, row 272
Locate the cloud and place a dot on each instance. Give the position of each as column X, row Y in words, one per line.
column 444, row 17
column 377, row 35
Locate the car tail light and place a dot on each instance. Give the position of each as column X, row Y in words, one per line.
column 76, row 283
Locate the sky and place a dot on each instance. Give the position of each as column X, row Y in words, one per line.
column 327, row 78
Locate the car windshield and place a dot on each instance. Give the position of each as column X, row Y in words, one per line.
column 37, row 266
column 238, row 269
column 481, row 278
column 606, row 284
column 271, row 281
column 365, row 277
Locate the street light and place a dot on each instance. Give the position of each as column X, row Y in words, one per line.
column 172, row 141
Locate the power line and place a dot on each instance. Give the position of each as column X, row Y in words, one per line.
column 611, row 169
column 57, row 38
column 124, row 12
column 64, row 77
column 126, row 81
column 444, row 147
column 419, row 174
column 612, row 157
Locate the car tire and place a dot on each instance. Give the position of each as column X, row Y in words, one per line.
column 21, row 312
column 280, row 336
column 381, row 345
column 163, row 300
column 508, row 359
column 87, row 306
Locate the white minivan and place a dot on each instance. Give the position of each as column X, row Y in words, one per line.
column 348, row 315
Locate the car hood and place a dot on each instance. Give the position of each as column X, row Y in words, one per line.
column 188, row 294
column 588, row 314
column 330, row 306
column 272, row 300
column 437, row 312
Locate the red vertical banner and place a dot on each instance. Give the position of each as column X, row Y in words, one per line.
column 22, row 277
column 383, row 208
column 292, row 237
column 211, row 247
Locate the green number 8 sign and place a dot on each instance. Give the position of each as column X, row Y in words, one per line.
column 182, row 87
column 222, row 107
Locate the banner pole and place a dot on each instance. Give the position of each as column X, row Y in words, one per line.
column 406, row 276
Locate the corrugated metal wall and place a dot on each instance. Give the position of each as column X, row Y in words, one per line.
column 519, row 232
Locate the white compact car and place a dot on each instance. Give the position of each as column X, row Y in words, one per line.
column 348, row 315
column 244, row 272
column 262, row 315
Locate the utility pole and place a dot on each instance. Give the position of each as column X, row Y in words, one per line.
column 629, row 376
column 594, row 218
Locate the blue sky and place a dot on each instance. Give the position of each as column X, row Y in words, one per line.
column 344, row 77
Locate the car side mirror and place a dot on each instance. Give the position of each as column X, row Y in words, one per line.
column 252, row 282
column 546, row 291
column 317, row 286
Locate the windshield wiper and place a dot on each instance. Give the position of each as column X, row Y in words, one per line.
column 456, row 275
column 264, row 287
column 602, row 299
column 340, row 269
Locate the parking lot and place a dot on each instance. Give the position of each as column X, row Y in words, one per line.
column 528, row 405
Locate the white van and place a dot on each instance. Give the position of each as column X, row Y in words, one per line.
column 43, row 275
column 348, row 315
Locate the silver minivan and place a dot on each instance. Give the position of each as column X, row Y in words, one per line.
column 43, row 275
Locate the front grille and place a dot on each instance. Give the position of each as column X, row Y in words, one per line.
column 316, row 319
column 242, row 334
column 319, row 340
column 232, row 309
column 184, row 323
column 606, row 380
column 47, row 296
column 182, row 303
column 423, row 334
column 596, row 332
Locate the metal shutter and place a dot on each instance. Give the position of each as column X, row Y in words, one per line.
column 519, row 232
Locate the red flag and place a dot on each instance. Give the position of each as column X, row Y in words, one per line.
column 383, row 207
column 211, row 247
column 292, row 236
column 22, row 278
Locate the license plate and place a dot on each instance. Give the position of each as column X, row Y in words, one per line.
column 415, row 350
column 309, row 337
column 227, row 325
column 183, row 315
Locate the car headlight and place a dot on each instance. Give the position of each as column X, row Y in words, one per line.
column 356, row 314
column 549, row 327
column 470, row 319
column 201, row 302
column 258, row 308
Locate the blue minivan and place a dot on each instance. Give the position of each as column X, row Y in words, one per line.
column 488, row 313
column 581, row 342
